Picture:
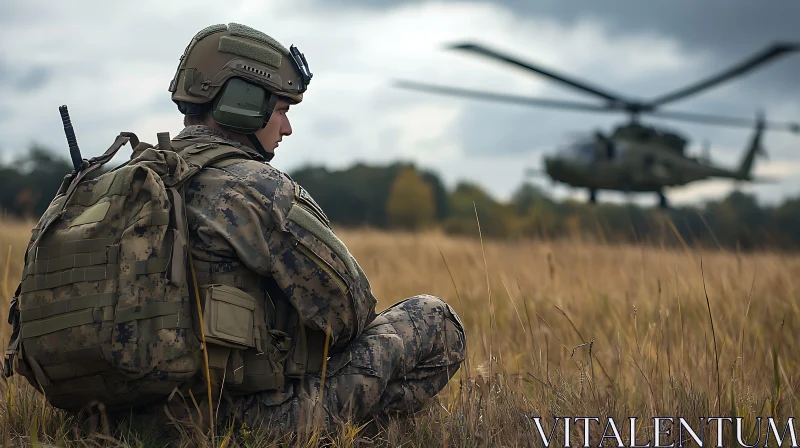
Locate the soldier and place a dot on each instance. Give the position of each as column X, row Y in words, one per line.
column 252, row 227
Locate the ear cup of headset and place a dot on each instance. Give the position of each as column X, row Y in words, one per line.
column 242, row 107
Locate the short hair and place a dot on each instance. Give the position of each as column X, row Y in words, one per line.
column 194, row 113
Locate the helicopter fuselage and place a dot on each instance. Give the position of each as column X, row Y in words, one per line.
column 627, row 166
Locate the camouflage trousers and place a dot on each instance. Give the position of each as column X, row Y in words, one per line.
column 400, row 361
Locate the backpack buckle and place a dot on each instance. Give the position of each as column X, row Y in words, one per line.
column 13, row 344
column 8, row 365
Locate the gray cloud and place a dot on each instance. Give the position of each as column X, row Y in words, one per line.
column 34, row 78
column 331, row 127
column 12, row 11
column 5, row 113
column 729, row 29
column 724, row 31
column 24, row 77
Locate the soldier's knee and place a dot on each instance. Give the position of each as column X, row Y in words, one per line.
column 439, row 323
column 455, row 331
column 438, row 305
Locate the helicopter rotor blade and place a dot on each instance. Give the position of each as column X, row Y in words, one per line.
column 505, row 98
column 574, row 83
column 762, row 57
column 535, row 173
column 725, row 121
column 691, row 117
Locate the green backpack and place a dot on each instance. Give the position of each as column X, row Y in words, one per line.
column 105, row 311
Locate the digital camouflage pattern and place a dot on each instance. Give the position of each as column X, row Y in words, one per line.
column 403, row 359
column 240, row 214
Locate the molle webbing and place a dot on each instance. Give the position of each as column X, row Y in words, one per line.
column 64, row 321
column 71, row 259
column 76, row 363
column 87, row 274
column 73, row 247
column 151, row 266
column 69, row 306
column 152, row 310
column 84, row 261
column 229, row 273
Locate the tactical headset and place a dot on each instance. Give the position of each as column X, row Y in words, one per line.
column 243, row 107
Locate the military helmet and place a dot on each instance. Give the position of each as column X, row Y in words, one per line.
column 239, row 72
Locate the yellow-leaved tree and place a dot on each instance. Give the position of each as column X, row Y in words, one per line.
column 410, row 204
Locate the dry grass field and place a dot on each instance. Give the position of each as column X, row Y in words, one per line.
column 565, row 328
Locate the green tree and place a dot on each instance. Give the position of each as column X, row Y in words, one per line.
column 786, row 218
column 526, row 197
column 411, row 203
column 358, row 195
column 31, row 181
column 497, row 220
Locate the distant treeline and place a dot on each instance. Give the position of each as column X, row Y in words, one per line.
column 401, row 196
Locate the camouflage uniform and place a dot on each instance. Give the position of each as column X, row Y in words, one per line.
column 393, row 361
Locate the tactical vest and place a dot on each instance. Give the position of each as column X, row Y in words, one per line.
column 109, row 311
column 282, row 347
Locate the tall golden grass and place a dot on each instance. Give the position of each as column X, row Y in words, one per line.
column 564, row 328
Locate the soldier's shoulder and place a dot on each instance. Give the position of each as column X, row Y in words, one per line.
column 267, row 183
column 277, row 188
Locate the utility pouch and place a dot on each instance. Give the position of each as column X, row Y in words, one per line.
column 306, row 355
column 228, row 316
column 229, row 322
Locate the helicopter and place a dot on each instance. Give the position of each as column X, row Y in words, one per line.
column 634, row 157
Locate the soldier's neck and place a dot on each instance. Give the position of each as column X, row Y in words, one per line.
column 241, row 138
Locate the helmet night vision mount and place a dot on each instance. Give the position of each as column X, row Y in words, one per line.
column 240, row 73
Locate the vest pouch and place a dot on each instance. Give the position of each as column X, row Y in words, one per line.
column 241, row 348
column 306, row 355
column 228, row 316
column 229, row 324
column 263, row 370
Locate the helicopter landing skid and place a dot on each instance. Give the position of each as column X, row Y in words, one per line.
column 662, row 200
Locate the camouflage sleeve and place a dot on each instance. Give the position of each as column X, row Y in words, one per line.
column 276, row 230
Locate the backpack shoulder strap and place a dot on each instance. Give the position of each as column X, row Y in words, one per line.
column 202, row 155
column 205, row 154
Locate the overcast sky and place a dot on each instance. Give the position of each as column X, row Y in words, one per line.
column 111, row 63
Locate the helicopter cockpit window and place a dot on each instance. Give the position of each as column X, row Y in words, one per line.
column 616, row 151
column 581, row 151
